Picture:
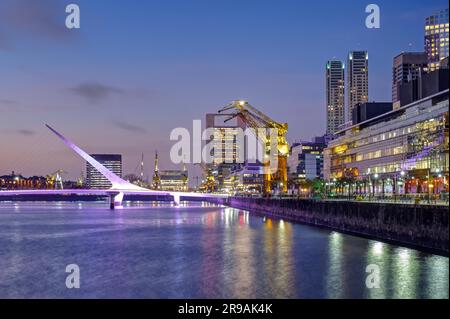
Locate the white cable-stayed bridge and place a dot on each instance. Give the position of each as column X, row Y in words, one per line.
column 118, row 190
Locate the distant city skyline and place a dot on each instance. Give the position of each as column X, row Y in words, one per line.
column 130, row 75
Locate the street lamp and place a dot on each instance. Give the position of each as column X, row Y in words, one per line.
column 402, row 182
column 375, row 177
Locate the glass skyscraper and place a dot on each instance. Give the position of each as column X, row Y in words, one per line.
column 357, row 80
column 335, row 96
column 436, row 38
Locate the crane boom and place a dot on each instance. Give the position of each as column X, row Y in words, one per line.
column 257, row 120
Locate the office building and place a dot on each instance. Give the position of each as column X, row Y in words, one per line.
column 425, row 85
column 174, row 180
column 335, row 86
column 357, row 80
column 226, row 146
column 246, row 179
column 305, row 161
column 436, row 38
column 407, row 67
column 228, row 151
column 94, row 179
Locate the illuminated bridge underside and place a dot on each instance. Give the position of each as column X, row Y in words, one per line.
column 119, row 187
column 108, row 192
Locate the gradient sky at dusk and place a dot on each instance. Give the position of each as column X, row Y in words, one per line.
column 137, row 69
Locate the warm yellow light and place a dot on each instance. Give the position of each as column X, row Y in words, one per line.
column 283, row 149
column 340, row 149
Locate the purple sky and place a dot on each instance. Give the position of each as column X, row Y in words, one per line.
column 136, row 70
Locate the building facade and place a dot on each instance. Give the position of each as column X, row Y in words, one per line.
column 306, row 161
column 407, row 67
column 357, row 80
column 369, row 110
column 174, row 180
column 94, row 179
column 247, row 179
column 227, row 153
column 17, row 181
column 224, row 139
column 335, row 86
column 436, row 38
column 403, row 151
column 425, row 85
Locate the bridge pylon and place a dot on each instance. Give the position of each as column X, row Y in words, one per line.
column 115, row 200
column 176, row 199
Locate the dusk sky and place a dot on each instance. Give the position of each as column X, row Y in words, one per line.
column 137, row 69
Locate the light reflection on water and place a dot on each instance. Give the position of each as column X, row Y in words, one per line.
column 335, row 280
column 151, row 250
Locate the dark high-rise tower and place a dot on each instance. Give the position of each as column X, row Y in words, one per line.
column 407, row 67
column 357, row 80
column 335, row 96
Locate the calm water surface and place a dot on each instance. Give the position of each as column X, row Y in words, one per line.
column 197, row 251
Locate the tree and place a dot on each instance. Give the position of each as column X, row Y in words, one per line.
column 318, row 187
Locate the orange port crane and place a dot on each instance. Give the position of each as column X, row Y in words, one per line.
column 262, row 125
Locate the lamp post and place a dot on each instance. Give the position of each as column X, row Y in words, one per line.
column 428, row 179
column 438, row 176
column 375, row 176
column 403, row 181
column 334, row 187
